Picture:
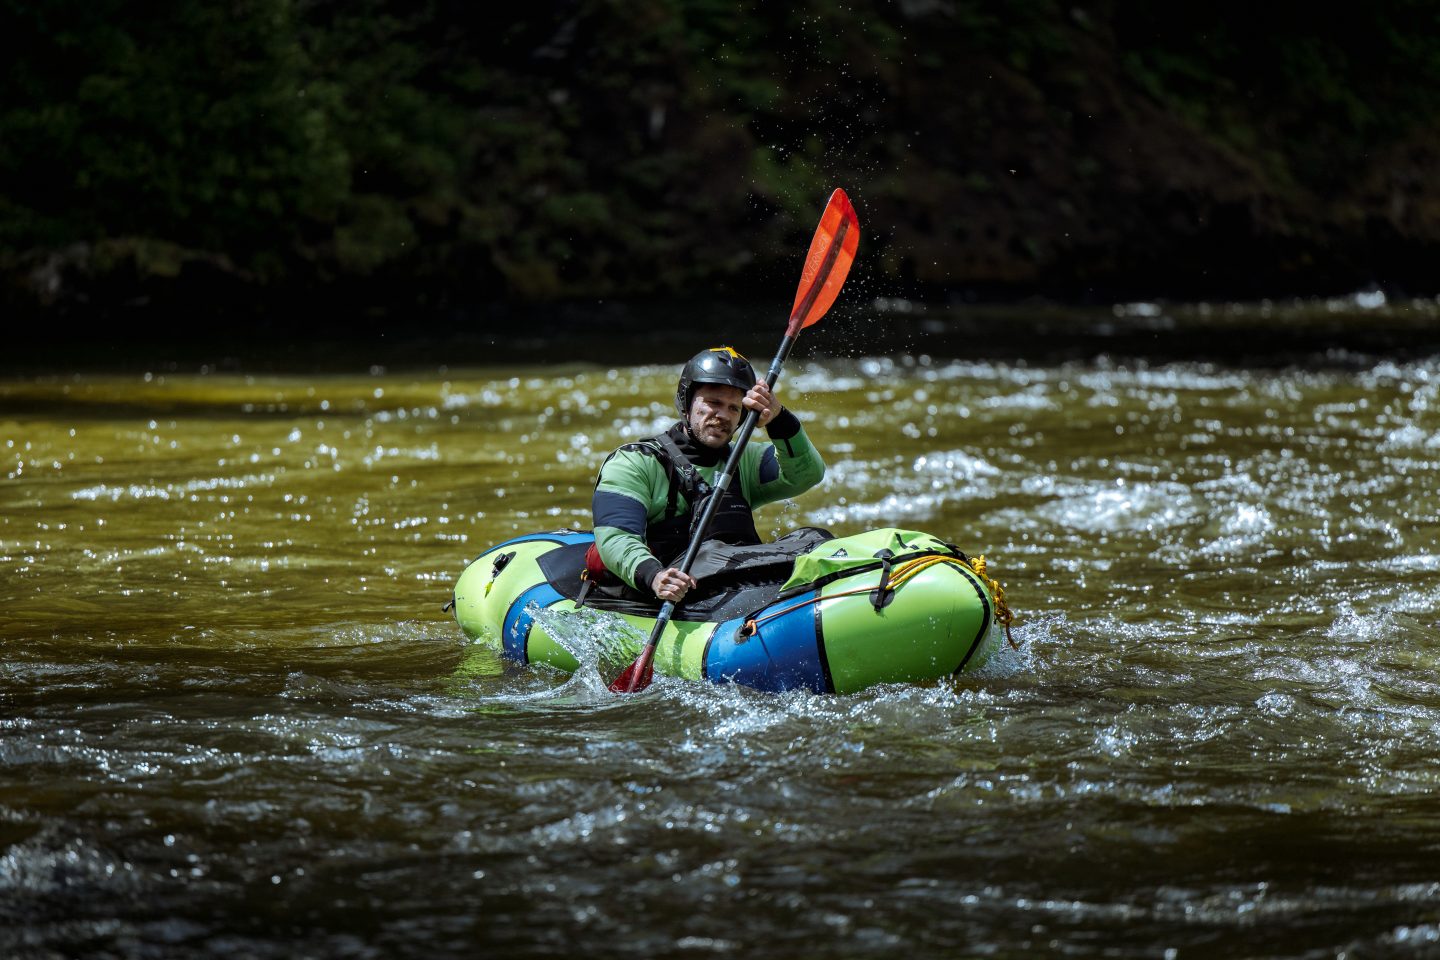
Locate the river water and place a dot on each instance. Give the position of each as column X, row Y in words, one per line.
column 235, row 721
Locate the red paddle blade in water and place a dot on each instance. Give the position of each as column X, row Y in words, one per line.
column 826, row 265
column 637, row 676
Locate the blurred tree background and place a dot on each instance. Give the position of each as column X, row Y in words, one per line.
column 373, row 159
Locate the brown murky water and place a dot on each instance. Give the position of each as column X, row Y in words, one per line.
column 234, row 720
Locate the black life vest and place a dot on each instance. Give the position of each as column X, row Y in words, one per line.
column 733, row 522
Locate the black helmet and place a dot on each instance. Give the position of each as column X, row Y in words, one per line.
column 717, row 365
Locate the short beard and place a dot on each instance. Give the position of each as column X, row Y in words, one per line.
column 697, row 433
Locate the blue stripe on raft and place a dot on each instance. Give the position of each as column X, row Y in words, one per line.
column 515, row 633
column 783, row 655
column 618, row 511
column 562, row 537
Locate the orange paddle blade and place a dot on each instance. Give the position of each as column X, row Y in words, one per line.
column 826, row 265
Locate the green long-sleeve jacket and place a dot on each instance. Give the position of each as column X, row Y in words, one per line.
column 634, row 487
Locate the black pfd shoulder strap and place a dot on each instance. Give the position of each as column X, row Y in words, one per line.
column 680, row 468
column 680, row 473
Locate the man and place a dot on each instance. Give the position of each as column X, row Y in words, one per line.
column 650, row 494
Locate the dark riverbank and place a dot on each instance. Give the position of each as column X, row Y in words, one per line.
column 1336, row 332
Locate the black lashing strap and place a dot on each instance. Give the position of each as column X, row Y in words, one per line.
column 882, row 593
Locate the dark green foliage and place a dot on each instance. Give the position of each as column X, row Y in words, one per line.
column 1310, row 95
column 189, row 124
column 446, row 152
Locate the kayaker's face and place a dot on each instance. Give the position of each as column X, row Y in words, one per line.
column 715, row 413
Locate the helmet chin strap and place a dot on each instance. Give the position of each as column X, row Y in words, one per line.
column 690, row 432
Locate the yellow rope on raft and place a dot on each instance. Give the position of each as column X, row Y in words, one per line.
column 1003, row 614
column 904, row 572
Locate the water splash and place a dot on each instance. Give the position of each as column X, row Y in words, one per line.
column 602, row 643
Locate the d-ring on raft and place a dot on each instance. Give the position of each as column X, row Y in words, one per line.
column 827, row 615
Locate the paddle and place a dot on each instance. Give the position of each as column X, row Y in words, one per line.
column 832, row 250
